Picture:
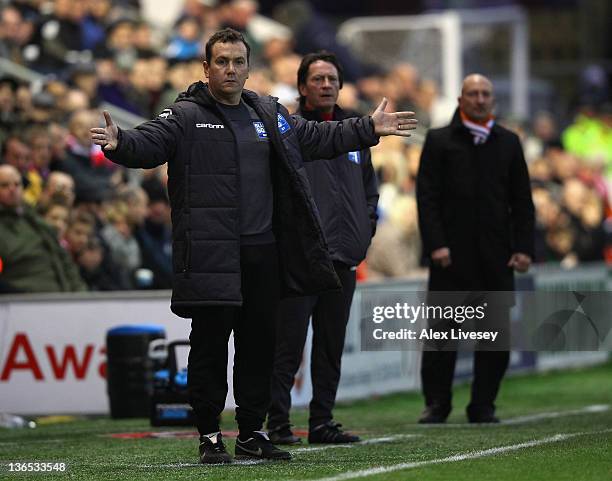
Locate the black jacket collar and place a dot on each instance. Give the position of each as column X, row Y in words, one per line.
column 199, row 93
column 339, row 114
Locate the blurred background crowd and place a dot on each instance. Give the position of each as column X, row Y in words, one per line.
column 114, row 225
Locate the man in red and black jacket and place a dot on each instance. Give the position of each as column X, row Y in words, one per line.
column 346, row 194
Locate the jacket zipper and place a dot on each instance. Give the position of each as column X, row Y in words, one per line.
column 187, row 260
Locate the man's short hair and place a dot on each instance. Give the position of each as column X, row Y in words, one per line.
column 227, row 35
column 324, row 56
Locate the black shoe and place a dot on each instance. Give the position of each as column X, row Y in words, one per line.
column 484, row 415
column 283, row 435
column 259, row 446
column 330, row 433
column 212, row 449
column 435, row 414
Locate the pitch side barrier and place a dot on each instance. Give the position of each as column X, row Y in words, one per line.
column 53, row 359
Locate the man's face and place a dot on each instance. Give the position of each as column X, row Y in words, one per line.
column 57, row 216
column 227, row 71
column 41, row 151
column 17, row 155
column 60, row 183
column 11, row 188
column 77, row 236
column 477, row 99
column 321, row 87
column 80, row 123
column 138, row 209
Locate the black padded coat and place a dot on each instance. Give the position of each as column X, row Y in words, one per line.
column 198, row 143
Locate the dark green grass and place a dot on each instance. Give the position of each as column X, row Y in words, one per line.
column 91, row 455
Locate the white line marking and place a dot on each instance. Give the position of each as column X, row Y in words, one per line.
column 460, row 457
column 241, row 462
column 31, row 441
column 595, row 408
column 387, row 439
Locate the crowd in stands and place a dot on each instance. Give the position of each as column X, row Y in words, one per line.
column 114, row 226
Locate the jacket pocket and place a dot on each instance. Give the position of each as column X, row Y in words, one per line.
column 181, row 255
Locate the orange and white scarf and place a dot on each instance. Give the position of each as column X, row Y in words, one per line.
column 479, row 130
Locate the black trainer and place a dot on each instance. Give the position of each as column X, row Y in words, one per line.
column 330, row 433
column 283, row 435
column 259, row 446
column 212, row 449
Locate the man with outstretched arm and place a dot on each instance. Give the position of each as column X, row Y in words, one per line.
column 245, row 228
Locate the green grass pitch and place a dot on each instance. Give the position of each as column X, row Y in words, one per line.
column 555, row 436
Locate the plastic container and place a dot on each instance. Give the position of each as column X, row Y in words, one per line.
column 130, row 370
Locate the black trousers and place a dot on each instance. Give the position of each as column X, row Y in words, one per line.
column 438, row 370
column 254, row 327
column 330, row 313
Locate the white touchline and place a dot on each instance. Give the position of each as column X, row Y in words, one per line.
column 31, row 441
column 386, row 439
column 595, row 408
column 240, row 462
column 460, row 457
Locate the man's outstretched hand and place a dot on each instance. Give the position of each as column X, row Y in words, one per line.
column 107, row 136
column 392, row 123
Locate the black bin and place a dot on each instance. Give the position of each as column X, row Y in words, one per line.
column 129, row 372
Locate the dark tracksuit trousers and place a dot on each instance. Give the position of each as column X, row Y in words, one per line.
column 330, row 313
column 254, row 327
column 438, row 370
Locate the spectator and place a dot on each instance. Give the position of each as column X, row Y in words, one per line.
column 8, row 115
column 120, row 42
column 15, row 34
column 396, row 248
column 83, row 77
column 185, row 43
column 85, row 161
column 544, row 132
column 56, row 214
column 586, row 221
column 94, row 23
column 177, row 82
column 99, row 275
column 39, row 140
column 16, row 152
column 154, row 236
column 313, row 32
column 78, row 232
column 118, row 236
column 58, row 184
column 591, row 137
column 33, row 259
column 60, row 38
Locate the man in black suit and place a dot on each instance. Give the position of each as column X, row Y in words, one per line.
column 476, row 218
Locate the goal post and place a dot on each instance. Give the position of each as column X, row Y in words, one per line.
column 438, row 44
